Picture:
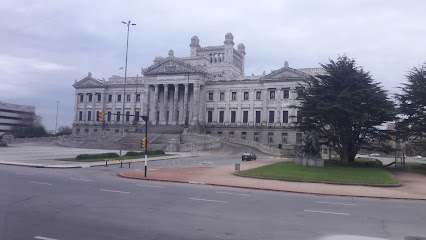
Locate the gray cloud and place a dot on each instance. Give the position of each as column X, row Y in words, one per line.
column 47, row 44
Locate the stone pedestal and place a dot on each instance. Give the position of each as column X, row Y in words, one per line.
column 173, row 145
column 309, row 162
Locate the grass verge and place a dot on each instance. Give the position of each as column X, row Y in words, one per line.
column 332, row 172
column 103, row 159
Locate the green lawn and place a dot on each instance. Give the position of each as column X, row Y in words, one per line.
column 332, row 172
column 103, row 159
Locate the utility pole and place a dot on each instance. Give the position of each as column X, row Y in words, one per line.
column 124, row 99
column 57, row 107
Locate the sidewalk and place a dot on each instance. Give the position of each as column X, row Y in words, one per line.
column 413, row 186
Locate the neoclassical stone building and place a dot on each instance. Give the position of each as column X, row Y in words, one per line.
column 206, row 91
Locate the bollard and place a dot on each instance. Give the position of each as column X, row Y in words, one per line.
column 121, row 164
column 129, row 164
column 106, row 163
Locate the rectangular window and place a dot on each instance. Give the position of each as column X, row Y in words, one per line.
column 138, row 97
column 222, row 96
column 109, row 117
column 89, row 115
column 90, row 97
column 95, row 130
column 210, row 116
column 208, row 132
column 119, row 98
column 210, row 96
column 286, row 93
column 271, row 94
column 234, row 96
column 231, row 134
column 78, row 131
column 299, row 92
column 299, row 117
column 109, row 98
column 270, row 137
column 118, row 116
column 299, row 138
column 158, row 116
column 284, row 138
column 246, row 96
column 285, row 116
column 271, row 116
column 127, row 116
column 177, row 116
column 86, row 130
column 233, row 114
column 244, row 135
column 219, row 134
column 258, row 116
column 256, row 137
column 81, row 97
column 80, row 116
column 245, row 116
column 97, row 116
column 136, row 116
column 99, row 97
column 221, row 116
column 167, row 116
column 128, row 97
column 258, row 95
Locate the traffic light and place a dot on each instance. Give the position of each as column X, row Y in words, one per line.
column 143, row 143
column 100, row 116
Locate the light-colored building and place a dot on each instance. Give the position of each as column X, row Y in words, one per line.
column 15, row 115
column 206, row 91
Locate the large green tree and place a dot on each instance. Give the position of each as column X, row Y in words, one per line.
column 346, row 107
column 412, row 105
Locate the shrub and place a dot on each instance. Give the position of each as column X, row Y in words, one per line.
column 94, row 156
column 133, row 154
column 3, row 144
column 150, row 152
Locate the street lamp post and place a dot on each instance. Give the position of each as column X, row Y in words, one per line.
column 57, row 107
column 125, row 78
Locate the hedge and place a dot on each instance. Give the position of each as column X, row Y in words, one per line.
column 150, row 152
column 95, row 156
column 3, row 144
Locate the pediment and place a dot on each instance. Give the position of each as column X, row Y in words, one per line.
column 172, row 66
column 88, row 82
column 286, row 73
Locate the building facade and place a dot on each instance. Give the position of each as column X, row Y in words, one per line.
column 206, row 91
column 15, row 115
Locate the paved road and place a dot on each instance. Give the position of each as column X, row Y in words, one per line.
column 93, row 203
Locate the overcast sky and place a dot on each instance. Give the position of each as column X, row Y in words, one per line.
column 46, row 45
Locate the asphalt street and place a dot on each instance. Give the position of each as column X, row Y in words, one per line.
column 93, row 203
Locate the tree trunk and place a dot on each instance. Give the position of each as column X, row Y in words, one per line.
column 348, row 154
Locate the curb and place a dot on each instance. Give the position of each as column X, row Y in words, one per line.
column 326, row 182
column 38, row 166
column 265, row 189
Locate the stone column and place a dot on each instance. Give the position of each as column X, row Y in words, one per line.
column 76, row 108
column 166, row 104
column 146, row 101
column 185, row 103
column 239, row 117
column 265, row 113
column 103, row 105
column 278, row 97
column 252, row 114
column 93, row 107
column 85, row 98
column 196, row 103
column 227, row 111
column 155, row 105
column 175, row 104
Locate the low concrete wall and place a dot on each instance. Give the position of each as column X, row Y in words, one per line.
column 258, row 145
column 193, row 142
column 9, row 139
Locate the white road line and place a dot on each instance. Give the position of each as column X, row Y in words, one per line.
column 141, row 185
column 346, row 204
column 41, row 183
column 207, row 200
column 239, row 194
column 105, row 190
column 29, row 174
column 44, row 238
column 327, row 212
column 81, row 179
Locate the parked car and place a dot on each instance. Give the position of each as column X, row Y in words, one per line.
column 248, row 156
